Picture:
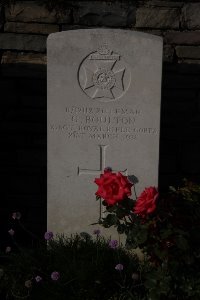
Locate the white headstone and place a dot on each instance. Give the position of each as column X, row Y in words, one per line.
column 104, row 91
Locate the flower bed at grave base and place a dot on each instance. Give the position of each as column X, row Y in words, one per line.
column 165, row 227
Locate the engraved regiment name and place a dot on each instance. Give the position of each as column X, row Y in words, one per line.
column 96, row 123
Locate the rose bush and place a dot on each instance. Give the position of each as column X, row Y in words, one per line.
column 166, row 228
column 146, row 202
column 113, row 187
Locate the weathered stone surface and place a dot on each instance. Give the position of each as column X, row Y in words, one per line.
column 30, row 11
column 159, row 3
column 97, row 13
column 188, row 52
column 151, row 31
column 29, row 42
column 191, row 16
column 66, row 27
column 9, row 57
column 64, row 17
column 189, row 61
column 157, row 17
column 30, row 28
column 103, row 110
column 168, row 53
column 183, row 38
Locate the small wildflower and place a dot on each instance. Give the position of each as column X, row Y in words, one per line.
column 16, row 215
column 97, row 232
column 119, row 267
column 28, row 284
column 135, row 276
column 8, row 249
column 113, row 244
column 11, row 232
column 38, row 278
column 55, row 275
column 48, row 235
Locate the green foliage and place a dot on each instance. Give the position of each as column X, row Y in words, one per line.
column 169, row 239
column 86, row 267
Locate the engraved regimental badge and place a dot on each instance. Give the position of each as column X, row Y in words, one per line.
column 103, row 75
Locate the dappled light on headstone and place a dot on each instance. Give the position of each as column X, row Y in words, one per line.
column 103, row 110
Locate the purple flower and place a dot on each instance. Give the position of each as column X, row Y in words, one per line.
column 119, row 267
column 113, row 244
column 16, row 215
column 8, row 249
column 11, row 232
column 38, row 278
column 97, row 232
column 55, row 275
column 48, row 235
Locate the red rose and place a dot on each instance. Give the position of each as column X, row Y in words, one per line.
column 113, row 187
column 146, row 202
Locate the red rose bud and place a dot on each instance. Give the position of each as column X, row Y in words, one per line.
column 107, row 170
column 146, row 202
column 113, row 187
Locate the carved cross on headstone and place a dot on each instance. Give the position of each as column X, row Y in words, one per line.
column 98, row 84
column 102, row 165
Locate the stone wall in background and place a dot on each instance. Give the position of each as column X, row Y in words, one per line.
column 24, row 27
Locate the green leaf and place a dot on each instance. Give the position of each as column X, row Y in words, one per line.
column 182, row 243
column 110, row 219
column 166, row 233
column 142, row 236
column 121, row 228
column 154, row 294
column 111, row 209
